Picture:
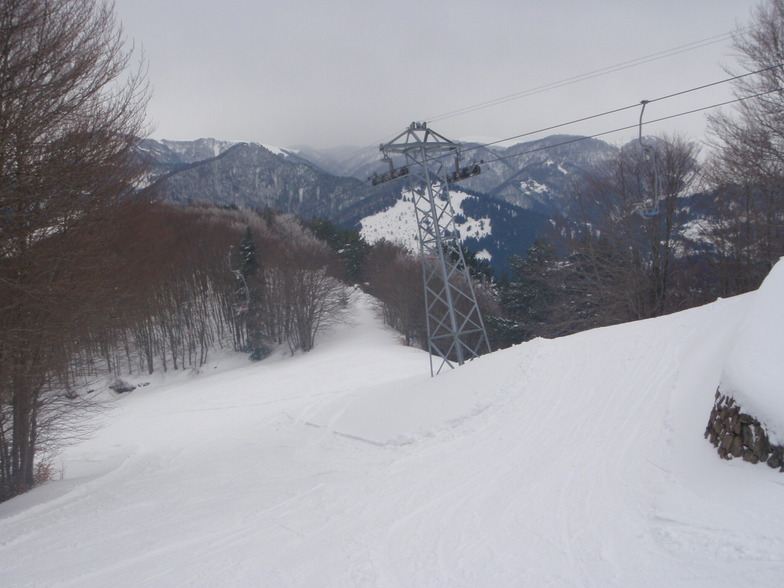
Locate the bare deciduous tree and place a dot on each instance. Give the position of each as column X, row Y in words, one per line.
column 300, row 296
column 395, row 278
column 747, row 171
column 629, row 217
column 71, row 111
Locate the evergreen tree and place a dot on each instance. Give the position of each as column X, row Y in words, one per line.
column 252, row 291
column 351, row 247
column 250, row 260
column 478, row 268
column 529, row 296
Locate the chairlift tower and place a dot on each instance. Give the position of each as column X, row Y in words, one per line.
column 455, row 329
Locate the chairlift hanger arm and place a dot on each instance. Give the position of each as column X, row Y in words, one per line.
column 644, row 103
column 649, row 207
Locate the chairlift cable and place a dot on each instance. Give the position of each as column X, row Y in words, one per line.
column 367, row 183
column 623, row 108
column 634, row 126
column 686, row 47
column 580, row 77
column 586, row 76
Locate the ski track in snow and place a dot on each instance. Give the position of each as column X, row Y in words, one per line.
column 573, row 462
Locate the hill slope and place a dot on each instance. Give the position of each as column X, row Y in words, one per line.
column 573, row 462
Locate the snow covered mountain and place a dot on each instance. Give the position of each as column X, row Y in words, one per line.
column 184, row 152
column 500, row 212
column 245, row 175
column 519, row 189
column 577, row 461
column 491, row 228
column 541, row 175
column 535, row 175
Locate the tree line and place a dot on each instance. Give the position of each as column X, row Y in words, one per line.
column 162, row 288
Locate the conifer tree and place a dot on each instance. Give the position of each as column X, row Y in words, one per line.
column 250, row 259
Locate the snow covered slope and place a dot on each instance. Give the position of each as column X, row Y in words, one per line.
column 573, row 462
column 398, row 223
column 754, row 371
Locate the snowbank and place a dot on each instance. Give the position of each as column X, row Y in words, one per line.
column 754, row 371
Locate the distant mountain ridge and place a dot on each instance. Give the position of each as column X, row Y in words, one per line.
column 538, row 175
column 519, row 189
column 243, row 175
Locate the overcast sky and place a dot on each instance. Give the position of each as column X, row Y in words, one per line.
column 356, row 72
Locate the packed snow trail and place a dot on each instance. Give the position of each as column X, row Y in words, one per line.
column 573, row 462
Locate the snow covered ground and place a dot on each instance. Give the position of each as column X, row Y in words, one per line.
column 398, row 223
column 571, row 462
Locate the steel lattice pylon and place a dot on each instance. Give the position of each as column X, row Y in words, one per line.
column 455, row 329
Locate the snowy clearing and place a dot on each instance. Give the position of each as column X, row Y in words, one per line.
column 398, row 225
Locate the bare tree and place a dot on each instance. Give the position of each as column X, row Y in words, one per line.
column 627, row 235
column 300, row 296
column 71, row 112
column 747, row 170
column 395, row 278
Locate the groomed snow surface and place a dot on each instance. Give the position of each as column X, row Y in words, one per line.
column 571, row 462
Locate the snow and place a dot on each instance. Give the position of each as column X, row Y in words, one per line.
column 472, row 227
column 696, row 231
column 558, row 166
column 398, row 224
column 484, row 254
column 278, row 150
column 578, row 461
column 533, row 186
column 754, row 371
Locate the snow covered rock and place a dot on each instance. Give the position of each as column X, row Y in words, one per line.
column 747, row 419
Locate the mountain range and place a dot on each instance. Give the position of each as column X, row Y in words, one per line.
column 520, row 188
